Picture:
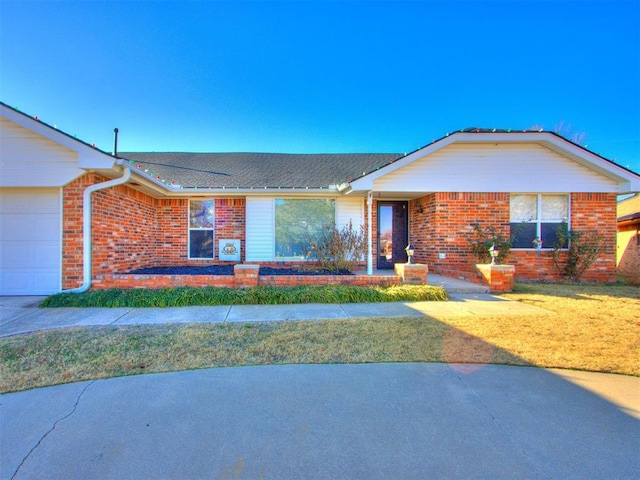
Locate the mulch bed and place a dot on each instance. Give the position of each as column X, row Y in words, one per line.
column 228, row 270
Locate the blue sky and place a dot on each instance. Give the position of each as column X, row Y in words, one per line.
column 328, row 76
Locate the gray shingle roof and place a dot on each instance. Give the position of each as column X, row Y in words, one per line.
column 259, row 170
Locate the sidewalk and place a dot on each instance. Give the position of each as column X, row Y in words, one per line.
column 21, row 314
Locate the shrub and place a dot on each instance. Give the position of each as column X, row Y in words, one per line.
column 338, row 249
column 482, row 241
column 575, row 251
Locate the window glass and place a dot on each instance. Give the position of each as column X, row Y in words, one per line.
column 523, row 234
column 201, row 224
column 549, row 233
column 201, row 214
column 524, row 208
column 528, row 225
column 296, row 220
column 201, row 244
column 555, row 208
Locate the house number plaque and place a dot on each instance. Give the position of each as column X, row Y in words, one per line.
column 229, row 250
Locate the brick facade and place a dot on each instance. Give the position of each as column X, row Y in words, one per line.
column 134, row 230
column 442, row 223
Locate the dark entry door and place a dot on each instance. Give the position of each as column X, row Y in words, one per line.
column 392, row 233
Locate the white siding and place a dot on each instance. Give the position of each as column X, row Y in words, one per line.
column 27, row 159
column 349, row 208
column 260, row 243
column 526, row 167
column 30, row 248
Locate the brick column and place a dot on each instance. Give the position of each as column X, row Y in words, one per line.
column 499, row 278
column 412, row 273
column 246, row 275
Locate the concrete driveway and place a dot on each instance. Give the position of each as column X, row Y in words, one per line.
column 375, row 421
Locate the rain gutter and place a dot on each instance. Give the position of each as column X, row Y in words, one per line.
column 86, row 230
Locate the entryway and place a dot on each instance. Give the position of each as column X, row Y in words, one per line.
column 392, row 234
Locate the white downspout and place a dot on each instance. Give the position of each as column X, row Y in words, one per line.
column 86, row 227
column 369, row 234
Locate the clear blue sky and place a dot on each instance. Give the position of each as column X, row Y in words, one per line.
column 328, row 76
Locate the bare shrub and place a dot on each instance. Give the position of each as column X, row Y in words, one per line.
column 575, row 251
column 338, row 249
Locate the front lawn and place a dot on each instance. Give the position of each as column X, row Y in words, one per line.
column 593, row 328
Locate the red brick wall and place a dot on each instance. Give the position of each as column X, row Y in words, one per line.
column 230, row 221
column 172, row 235
column 445, row 226
column 598, row 211
column 72, row 246
column 124, row 230
column 442, row 223
column 589, row 211
column 173, row 225
column 133, row 230
column 230, row 281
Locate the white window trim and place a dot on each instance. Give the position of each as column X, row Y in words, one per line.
column 538, row 221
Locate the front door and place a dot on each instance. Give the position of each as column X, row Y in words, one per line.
column 392, row 233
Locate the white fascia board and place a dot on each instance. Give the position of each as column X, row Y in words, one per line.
column 88, row 157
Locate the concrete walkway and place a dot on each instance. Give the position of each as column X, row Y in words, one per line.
column 22, row 315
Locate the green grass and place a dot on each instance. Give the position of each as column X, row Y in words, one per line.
column 188, row 296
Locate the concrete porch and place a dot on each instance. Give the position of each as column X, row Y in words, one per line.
column 451, row 285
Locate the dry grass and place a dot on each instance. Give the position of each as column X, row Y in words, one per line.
column 593, row 328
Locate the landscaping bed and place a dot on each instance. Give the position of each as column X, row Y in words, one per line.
column 228, row 270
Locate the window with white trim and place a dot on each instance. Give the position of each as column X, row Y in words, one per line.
column 298, row 219
column 536, row 219
column 201, row 226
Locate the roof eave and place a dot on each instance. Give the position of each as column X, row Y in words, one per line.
column 158, row 188
column 628, row 181
column 89, row 157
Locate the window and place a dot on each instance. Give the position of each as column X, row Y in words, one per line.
column 537, row 217
column 296, row 220
column 201, row 226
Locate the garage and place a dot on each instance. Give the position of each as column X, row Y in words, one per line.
column 30, row 241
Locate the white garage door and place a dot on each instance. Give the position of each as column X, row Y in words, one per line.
column 30, row 252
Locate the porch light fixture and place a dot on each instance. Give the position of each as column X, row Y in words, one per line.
column 410, row 249
column 494, row 252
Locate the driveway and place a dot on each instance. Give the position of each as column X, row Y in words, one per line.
column 373, row 421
